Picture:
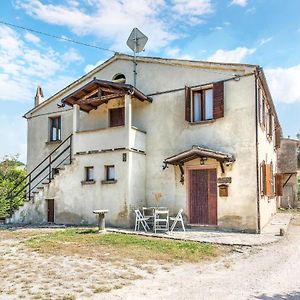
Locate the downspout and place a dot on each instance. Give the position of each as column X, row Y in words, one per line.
column 256, row 147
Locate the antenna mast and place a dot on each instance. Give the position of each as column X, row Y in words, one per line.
column 136, row 42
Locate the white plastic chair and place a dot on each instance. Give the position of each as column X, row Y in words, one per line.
column 140, row 219
column 176, row 219
column 161, row 219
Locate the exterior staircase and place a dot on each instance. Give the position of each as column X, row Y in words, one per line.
column 35, row 186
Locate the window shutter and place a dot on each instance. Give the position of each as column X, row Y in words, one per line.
column 277, row 136
column 188, row 104
column 259, row 104
column 268, row 180
column 270, row 124
column 218, row 100
column 263, row 178
column 278, row 184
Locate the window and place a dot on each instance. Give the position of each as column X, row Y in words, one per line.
column 55, row 129
column 120, row 78
column 202, row 105
column 117, row 117
column 267, row 186
column 89, row 173
column 269, row 124
column 110, row 173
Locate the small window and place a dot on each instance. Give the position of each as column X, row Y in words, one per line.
column 202, row 102
column 110, row 173
column 55, row 129
column 89, row 173
column 117, row 117
column 120, row 78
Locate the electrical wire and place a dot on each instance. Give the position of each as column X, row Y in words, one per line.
column 58, row 37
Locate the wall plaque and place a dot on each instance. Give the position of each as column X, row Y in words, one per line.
column 224, row 180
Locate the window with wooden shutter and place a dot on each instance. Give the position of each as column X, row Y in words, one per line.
column 278, row 184
column 277, row 136
column 188, row 104
column 117, row 117
column 263, row 178
column 218, row 100
column 269, row 190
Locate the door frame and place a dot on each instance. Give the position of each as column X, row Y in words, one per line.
column 187, row 172
column 48, row 210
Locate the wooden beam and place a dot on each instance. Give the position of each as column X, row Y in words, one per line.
column 100, row 100
column 92, row 93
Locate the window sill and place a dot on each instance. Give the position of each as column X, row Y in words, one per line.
column 108, row 181
column 53, row 142
column 88, row 182
column 202, row 122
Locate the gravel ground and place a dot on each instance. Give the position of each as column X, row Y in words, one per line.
column 259, row 272
column 268, row 272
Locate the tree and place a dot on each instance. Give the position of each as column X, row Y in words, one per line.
column 12, row 175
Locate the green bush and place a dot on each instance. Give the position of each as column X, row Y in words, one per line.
column 12, row 175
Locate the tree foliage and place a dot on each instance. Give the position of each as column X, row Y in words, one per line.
column 12, row 175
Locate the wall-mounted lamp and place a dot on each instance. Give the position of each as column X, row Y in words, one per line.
column 202, row 160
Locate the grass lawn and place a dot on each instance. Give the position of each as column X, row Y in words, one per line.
column 115, row 246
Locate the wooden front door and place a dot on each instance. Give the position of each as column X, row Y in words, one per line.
column 203, row 196
column 50, row 210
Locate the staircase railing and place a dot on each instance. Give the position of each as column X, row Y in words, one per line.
column 44, row 170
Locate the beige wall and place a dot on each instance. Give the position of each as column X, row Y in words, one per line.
column 267, row 153
column 167, row 134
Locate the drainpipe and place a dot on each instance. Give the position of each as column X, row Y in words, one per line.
column 256, row 147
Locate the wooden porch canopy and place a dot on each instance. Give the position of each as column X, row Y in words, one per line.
column 98, row 92
column 197, row 152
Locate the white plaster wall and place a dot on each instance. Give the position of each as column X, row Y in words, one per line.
column 75, row 202
column 235, row 134
column 167, row 134
column 267, row 153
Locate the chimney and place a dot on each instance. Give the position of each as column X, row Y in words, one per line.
column 39, row 96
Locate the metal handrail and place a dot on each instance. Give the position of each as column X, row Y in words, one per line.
column 30, row 178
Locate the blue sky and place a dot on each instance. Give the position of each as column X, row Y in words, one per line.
column 264, row 32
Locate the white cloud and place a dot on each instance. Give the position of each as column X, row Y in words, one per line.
column 72, row 55
column 242, row 3
column 22, row 66
column 90, row 67
column 29, row 37
column 112, row 21
column 193, row 9
column 176, row 53
column 231, row 56
column 284, row 83
column 264, row 41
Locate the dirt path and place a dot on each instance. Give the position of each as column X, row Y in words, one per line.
column 269, row 272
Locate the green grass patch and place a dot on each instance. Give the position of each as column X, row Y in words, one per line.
column 120, row 246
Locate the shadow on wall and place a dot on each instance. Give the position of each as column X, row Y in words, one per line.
column 288, row 296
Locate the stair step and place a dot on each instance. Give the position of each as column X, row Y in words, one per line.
column 40, row 187
column 45, row 182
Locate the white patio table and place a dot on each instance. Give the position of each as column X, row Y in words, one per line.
column 101, row 218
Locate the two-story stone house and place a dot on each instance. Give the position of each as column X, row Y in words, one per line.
column 203, row 136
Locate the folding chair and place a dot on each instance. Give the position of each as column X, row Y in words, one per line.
column 176, row 219
column 140, row 219
column 161, row 219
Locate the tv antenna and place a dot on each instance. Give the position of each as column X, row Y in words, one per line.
column 136, row 42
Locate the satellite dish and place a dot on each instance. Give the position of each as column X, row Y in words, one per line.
column 136, row 42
